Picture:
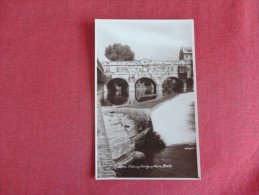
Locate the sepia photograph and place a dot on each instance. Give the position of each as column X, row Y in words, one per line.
column 146, row 117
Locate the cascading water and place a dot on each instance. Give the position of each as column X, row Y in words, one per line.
column 172, row 121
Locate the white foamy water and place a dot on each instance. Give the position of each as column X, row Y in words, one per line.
column 171, row 120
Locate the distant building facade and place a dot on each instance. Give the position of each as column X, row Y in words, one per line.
column 185, row 54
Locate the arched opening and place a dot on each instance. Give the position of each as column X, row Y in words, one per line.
column 172, row 84
column 145, row 89
column 118, row 91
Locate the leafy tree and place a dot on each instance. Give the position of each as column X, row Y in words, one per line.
column 119, row 52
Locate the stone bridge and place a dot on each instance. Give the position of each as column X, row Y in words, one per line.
column 157, row 72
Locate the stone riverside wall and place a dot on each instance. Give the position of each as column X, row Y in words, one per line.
column 104, row 158
column 120, row 129
column 116, row 134
column 137, row 114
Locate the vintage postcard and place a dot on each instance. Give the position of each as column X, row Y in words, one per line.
column 146, row 123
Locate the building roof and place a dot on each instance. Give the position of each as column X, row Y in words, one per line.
column 187, row 50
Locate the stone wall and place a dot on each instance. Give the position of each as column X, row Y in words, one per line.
column 137, row 114
column 104, row 158
column 120, row 128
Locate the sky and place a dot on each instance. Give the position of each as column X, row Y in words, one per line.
column 151, row 39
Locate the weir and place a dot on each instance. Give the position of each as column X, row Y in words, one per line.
column 129, row 126
column 155, row 110
column 181, row 130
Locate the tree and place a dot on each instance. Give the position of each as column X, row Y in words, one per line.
column 119, row 52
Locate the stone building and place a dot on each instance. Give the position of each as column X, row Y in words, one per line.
column 185, row 54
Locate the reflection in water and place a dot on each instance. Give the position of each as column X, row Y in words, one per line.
column 118, row 97
column 118, row 92
column 145, row 90
column 123, row 98
column 172, row 84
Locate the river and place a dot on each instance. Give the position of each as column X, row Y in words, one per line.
column 119, row 98
column 174, row 121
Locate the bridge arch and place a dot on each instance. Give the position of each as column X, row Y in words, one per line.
column 172, row 84
column 145, row 89
column 117, row 83
column 118, row 91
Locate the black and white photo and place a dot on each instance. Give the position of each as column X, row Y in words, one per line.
column 146, row 124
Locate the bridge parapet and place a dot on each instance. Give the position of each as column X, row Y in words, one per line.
column 158, row 71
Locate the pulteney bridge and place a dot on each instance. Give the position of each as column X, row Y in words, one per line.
column 133, row 74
